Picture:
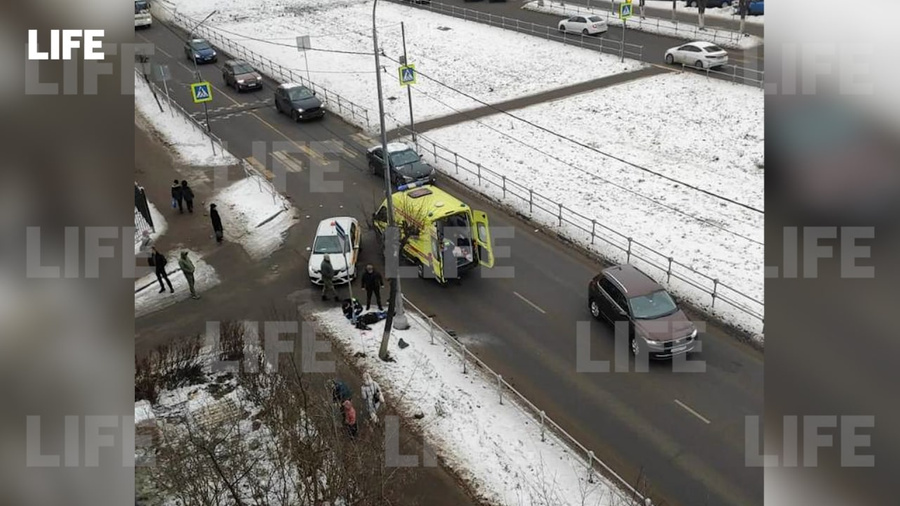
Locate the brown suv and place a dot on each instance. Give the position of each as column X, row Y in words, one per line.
column 656, row 325
column 241, row 76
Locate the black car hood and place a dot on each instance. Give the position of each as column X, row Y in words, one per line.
column 306, row 103
column 415, row 170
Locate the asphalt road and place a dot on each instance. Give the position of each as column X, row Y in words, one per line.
column 654, row 46
column 682, row 432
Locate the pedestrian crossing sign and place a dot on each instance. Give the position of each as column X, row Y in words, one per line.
column 625, row 11
column 407, row 75
column 201, row 92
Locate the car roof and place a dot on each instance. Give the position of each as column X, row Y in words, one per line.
column 194, row 41
column 393, row 147
column 701, row 43
column 634, row 282
column 325, row 227
column 440, row 203
column 237, row 62
column 288, row 86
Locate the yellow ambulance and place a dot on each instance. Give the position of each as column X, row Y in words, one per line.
column 444, row 237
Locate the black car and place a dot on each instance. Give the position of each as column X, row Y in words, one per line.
column 201, row 51
column 657, row 326
column 241, row 76
column 298, row 102
column 406, row 165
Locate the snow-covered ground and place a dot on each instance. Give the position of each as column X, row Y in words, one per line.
column 706, row 133
column 659, row 26
column 147, row 298
column 489, row 63
column 188, row 141
column 255, row 215
column 496, row 448
column 159, row 228
column 711, row 12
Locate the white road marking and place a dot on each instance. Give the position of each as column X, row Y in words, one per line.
column 287, row 161
column 691, row 411
column 532, row 304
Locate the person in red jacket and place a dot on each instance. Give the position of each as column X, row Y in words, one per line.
column 349, row 418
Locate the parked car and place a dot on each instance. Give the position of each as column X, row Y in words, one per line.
column 328, row 242
column 240, row 75
column 656, row 325
column 298, row 102
column 700, row 54
column 406, row 165
column 710, row 4
column 200, row 50
column 754, row 8
column 585, row 25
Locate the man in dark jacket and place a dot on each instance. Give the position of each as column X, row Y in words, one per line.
column 372, row 282
column 158, row 262
column 188, row 195
column 216, row 223
column 177, row 196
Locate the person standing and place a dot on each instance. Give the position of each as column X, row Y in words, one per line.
column 373, row 283
column 177, row 197
column 372, row 399
column 216, row 223
column 158, row 261
column 188, row 195
column 327, row 271
column 349, row 418
column 187, row 268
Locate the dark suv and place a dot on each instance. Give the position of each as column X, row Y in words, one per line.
column 406, row 165
column 240, row 75
column 656, row 325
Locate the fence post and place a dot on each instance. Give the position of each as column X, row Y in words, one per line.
column 593, row 230
column 434, row 152
column 530, row 201
column 479, row 174
column 456, row 162
column 590, row 466
column 504, row 186
column 628, row 258
column 500, row 387
column 339, row 103
column 431, row 329
column 715, row 289
column 543, row 415
column 464, row 359
column 669, row 271
column 560, row 214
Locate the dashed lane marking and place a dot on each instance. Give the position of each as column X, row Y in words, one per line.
column 532, row 304
column 691, row 411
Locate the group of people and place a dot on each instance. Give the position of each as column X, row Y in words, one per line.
column 182, row 195
column 371, row 281
column 372, row 398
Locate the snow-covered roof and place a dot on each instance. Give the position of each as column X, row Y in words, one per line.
column 394, row 147
column 288, row 86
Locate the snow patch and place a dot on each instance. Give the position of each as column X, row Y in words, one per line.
column 159, row 228
column 147, row 298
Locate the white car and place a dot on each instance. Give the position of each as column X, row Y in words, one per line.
column 585, row 25
column 700, row 54
column 328, row 242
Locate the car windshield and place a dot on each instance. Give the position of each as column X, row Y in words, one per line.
column 713, row 49
column 140, row 7
column 200, row 44
column 595, row 19
column 243, row 68
column 329, row 244
column 404, row 157
column 299, row 93
column 654, row 305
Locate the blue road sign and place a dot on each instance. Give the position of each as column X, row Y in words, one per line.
column 407, row 75
column 625, row 11
column 201, row 92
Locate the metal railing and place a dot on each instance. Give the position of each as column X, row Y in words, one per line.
column 596, row 237
column 593, row 465
column 601, row 44
column 215, row 141
column 332, row 101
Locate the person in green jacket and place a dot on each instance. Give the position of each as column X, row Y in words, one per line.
column 187, row 268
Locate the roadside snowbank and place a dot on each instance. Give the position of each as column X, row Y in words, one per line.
column 722, row 37
column 496, row 448
column 159, row 228
column 705, row 133
column 255, row 215
column 191, row 144
column 489, row 63
column 147, row 298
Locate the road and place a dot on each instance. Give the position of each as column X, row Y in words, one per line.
column 654, row 46
column 683, row 433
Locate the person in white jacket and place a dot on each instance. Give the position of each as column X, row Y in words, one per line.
column 372, row 397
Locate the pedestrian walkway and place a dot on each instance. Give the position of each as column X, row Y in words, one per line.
column 522, row 102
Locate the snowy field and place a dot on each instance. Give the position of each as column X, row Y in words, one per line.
column 496, row 448
column 147, row 298
column 502, row 64
column 255, row 215
column 191, row 145
column 723, row 38
column 717, row 12
column 706, row 133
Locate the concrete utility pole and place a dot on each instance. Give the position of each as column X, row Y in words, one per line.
column 197, row 68
column 391, row 235
column 412, row 124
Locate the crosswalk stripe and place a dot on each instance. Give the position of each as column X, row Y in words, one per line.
column 363, row 139
column 260, row 167
column 286, row 160
column 312, row 154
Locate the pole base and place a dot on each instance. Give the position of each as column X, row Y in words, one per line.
column 400, row 322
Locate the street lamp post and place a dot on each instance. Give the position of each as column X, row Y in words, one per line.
column 395, row 318
column 197, row 68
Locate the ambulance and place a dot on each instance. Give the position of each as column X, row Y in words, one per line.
column 446, row 238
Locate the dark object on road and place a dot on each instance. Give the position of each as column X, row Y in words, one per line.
column 241, row 76
column 357, row 308
column 656, row 325
column 158, row 261
column 402, row 344
column 188, row 195
column 216, row 223
column 405, row 164
column 298, row 102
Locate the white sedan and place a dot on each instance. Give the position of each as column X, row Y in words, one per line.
column 700, row 54
column 585, row 25
column 328, row 241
